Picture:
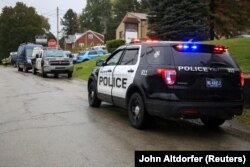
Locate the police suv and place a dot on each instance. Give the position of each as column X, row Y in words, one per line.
column 169, row 79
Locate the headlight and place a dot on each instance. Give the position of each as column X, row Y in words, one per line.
column 29, row 60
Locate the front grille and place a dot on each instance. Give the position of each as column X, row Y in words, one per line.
column 60, row 63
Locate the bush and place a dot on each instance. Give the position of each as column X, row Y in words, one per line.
column 114, row 44
column 5, row 61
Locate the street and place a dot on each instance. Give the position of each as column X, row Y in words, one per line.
column 48, row 123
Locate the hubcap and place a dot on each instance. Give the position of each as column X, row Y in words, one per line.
column 92, row 94
column 137, row 111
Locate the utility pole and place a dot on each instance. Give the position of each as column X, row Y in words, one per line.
column 57, row 38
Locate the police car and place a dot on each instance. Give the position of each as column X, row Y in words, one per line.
column 169, row 79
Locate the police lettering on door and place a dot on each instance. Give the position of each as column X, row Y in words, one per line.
column 116, row 82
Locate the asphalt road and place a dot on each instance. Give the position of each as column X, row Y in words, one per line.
column 48, row 123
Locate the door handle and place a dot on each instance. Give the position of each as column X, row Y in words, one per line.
column 131, row 70
column 109, row 70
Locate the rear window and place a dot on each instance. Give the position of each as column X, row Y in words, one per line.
column 203, row 56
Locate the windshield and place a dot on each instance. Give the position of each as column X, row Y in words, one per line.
column 54, row 53
column 29, row 52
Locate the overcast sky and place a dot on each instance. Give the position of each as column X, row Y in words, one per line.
column 47, row 8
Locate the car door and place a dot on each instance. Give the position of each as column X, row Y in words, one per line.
column 124, row 74
column 104, row 83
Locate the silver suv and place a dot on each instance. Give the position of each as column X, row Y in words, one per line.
column 51, row 61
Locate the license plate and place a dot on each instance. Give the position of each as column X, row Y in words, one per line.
column 213, row 83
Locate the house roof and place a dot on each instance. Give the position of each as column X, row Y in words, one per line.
column 141, row 16
column 73, row 38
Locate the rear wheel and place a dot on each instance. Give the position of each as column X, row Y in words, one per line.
column 92, row 96
column 212, row 122
column 56, row 75
column 137, row 113
column 25, row 69
column 34, row 70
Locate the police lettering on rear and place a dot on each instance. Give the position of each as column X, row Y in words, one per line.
column 204, row 69
column 114, row 82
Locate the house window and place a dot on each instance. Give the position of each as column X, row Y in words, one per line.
column 81, row 45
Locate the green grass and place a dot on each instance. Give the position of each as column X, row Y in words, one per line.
column 82, row 70
column 239, row 49
column 244, row 118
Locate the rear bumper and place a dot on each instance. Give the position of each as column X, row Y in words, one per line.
column 223, row 110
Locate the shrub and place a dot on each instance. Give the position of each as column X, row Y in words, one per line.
column 5, row 61
column 114, row 44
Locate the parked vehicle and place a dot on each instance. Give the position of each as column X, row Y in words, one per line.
column 24, row 55
column 88, row 55
column 13, row 58
column 170, row 79
column 52, row 61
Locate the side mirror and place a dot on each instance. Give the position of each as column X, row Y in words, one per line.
column 71, row 56
column 100, row 62
column 37, row 55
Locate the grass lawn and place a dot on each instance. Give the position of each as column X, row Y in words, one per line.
column 83, row 70
column 244, row 118
column 239, row 48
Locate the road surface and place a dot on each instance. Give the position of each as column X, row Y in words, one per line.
column 48, row 123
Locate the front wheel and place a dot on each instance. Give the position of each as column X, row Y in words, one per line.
column 70, row 75
column 138, row 116
column 19, row 69
column 212, row 122
column 92, row 96
column 44, row 75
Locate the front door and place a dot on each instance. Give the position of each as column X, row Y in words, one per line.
column 105, row 81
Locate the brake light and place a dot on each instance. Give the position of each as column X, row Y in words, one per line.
column 168, row 75
column 219, row 49
column 242, row 79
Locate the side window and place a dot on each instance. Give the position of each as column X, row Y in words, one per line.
column 114, row 60
column 92, row 53
column 130, row 57
column 158, row 55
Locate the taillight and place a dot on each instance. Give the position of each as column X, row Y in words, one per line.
column 168, row 75
column 220, row 49
column 242, row 79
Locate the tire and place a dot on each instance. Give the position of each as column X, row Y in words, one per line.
column 70, row 75
column 44, row 75
column 18, row 68
column 55, row 75
column 212, row 122
column 25, row 69
column 137, row 113
column 92, row 96
column 34, row 70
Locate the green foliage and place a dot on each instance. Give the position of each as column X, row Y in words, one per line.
column 228, row 19
column 178, row 20
column 70, row 22
column 114, row 44
column 19, row 24
column 5, row 61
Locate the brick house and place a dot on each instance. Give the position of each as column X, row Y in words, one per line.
column 133, row 25
column 86, row 39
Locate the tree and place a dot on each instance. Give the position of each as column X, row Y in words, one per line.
column 19, row 24
column 178, row 20
column 70, row 22
column 226, row 18
column 98, row 17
